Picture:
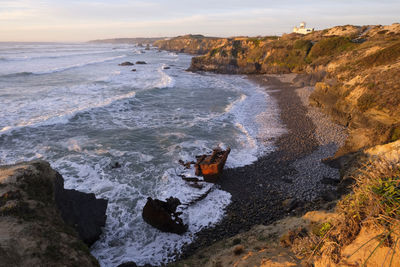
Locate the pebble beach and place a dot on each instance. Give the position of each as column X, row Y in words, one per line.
column 289, row 181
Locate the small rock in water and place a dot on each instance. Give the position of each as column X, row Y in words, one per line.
column 126, row 63
column 166, row 68
column 141, row 62
column 133, row 70
column 115, row 165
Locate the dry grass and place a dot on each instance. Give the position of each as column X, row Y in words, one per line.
column 384, row 56
column 374, row 202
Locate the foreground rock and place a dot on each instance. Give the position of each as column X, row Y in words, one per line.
column 82, row 211
column 33, row 204
column 163, row 216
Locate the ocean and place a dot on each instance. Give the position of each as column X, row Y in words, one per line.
column 74, row 106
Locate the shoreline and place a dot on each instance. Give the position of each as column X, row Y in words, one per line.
column 288, row 181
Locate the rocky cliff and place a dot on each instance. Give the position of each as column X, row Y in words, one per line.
column 43, row 224
column 354, row 69
column 191, row 44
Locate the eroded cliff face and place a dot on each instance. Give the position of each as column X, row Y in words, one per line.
column 362, row 89
column 32, row 230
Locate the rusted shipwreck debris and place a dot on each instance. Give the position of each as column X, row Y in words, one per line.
column 209, row 166
column 163, row 216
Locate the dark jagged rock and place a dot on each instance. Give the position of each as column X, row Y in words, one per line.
column 81, row 210
column 166, row 68
column 126, row 63
column 140, row 62
column 163, row 216
column 133, row 70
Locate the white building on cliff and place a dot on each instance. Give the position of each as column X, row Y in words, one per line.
column 302, row 29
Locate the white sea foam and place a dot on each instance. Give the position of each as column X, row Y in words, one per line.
column 56, row 55
column 166, row 81
column 128, row 117
column 63, row 117
column 80, row 65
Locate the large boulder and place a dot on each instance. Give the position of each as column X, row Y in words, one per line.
column 163, row 216
column 32, row 230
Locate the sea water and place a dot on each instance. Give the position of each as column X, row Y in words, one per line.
column 74, row 106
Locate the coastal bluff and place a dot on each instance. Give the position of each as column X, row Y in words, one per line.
column 43, row 224
column 354, row 69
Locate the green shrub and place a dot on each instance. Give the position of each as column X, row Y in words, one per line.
column 303, row 44
column 214, row 52
column 255, row 41
column 330, row 46
column 395, row 135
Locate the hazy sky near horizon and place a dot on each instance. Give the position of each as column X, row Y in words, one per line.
column 82, row 20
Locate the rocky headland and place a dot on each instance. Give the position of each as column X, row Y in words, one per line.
column 350, row 74
column 43, row 224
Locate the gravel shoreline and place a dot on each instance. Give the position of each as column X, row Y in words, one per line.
column 289, row 181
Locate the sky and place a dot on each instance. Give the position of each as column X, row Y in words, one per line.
column 83, row 20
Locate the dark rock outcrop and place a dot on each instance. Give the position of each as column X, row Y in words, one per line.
column 33, row 232
column 163, row 216
column 126, row 63
column 140, row 62
column 81, row 210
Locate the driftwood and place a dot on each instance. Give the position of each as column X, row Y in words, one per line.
column 198, row 198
